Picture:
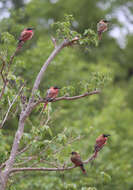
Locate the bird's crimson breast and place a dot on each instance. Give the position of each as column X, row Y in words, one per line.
column 27, row 35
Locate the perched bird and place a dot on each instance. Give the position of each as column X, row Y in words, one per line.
column 52, row 93
column 102, row 26
column 100, row 142
column 76, row 159
column 26, row 34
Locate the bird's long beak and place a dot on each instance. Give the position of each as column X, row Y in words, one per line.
column 107, row 21
column 108, row 135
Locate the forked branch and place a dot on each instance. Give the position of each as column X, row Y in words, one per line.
column 51, row 169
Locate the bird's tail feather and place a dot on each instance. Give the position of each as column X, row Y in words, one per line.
column 82, row 168
column 45, row 105
column 99, row 35
column 20, row 44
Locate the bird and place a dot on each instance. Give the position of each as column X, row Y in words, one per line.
column 25, row 35
column 102, row 26
column 52, row 93
column 76, row 159
column 100, row 142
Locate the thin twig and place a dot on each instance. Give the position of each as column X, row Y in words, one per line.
column 5, row 80
column 10, row 106
column 70, row 142
column 1, row 71
column 24, row 149
column 3, row 89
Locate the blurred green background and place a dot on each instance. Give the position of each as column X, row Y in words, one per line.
column 109, row 112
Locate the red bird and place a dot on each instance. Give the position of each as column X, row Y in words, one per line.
column 52, row 93
column 26, row 34
column 76, row 159
column 102, row 26
column 100, row 142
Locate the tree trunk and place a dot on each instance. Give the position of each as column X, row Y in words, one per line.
column 9, row 164
column 2, row 181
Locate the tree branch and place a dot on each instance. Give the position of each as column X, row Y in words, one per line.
column 44, row 67
column 43, row 100
column 5, row 80
column 77, row 97
column 12, row 56
column 3, row 90
column 50, row 58
column 25, row 113
column 1, row 71
column 50, row 169
column 24, row 149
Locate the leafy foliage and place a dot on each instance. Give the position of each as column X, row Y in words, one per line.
column 64, row 30
column 67, row 126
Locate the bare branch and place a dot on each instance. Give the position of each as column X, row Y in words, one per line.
column 24, row 149
column 44, row 67
column 3, row 89
column 51, row 169
column 24, row 162
column 5, row 80
column 1, row 71
column 10, row 106
column 68, row 98
column 77, row 97
column 65, row 43
column 12, row 56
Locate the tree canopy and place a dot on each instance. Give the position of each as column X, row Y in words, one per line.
column 67, row 126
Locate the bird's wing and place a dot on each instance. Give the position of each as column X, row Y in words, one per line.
column 76, row 160
column 98, row 139
column 98, row 26
column 24, row 35
column 99, row 143
column 101, row 27
column 49, row 93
